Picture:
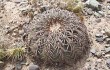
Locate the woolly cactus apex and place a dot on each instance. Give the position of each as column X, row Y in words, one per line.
column 58, row 36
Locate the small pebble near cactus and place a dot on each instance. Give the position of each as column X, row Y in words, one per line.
column 58, row 36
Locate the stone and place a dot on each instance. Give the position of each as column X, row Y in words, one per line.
column 107, row 56
column 97, row 15
column 14, row 34
column 93, row 4
column 107, row 32
column 101, row 13
column 99, row 60
column 107, row 49
column 99, row 38
column 108, row 16
column 21, row 31
column 33, row 67
column 108, row 13
column 108, row 1
column 107, row 45
column 23, row 63
column 35, row 12
column 98, row 54
column 108, row 7
column 89, row 11
column 103, row 32
column 98, row 20
column 1, row 64
column 108, row 63
column 18, row 67
column 18, row 1
column 99, row 35
column 93, row 51
column 108, row 40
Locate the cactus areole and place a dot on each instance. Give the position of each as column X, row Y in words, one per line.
column 58, row 36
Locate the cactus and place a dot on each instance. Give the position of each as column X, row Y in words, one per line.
column 58, row 36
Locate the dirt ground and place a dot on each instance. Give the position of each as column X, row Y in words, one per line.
column 12, row 18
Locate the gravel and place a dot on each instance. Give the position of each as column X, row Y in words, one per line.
column 33, row 67
column 10, row 19
column 108, row 63
column 98, row 20
column 99, row 37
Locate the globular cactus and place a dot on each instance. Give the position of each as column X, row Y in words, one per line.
column 58, row 36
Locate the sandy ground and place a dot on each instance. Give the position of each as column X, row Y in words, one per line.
column 11, row 32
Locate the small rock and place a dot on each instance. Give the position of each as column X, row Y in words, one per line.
column 27, row 64
column 23, row 63
column 107, row 45
column 17, row 1
column 36, row 12
column 93, row 50
column 95, row 53
column 108, row 13
column 21, row 31
column 107, row 32
column 1, row 64
column 108, row 1
column 14, row 34
column 98, row 20
column 108, row 16
column 99, row 37
column 102, row 49
column 89, row 11
column 107, row 49
column 108, row 7
column 93, row 4
column 98, row 54
column 101, row 13
column 18, row 67
column 33, row 67
column 108, row 40
column 107, row 56
column 108, row 63
column 103, row 32
column 97, row 15
column 99, row 60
